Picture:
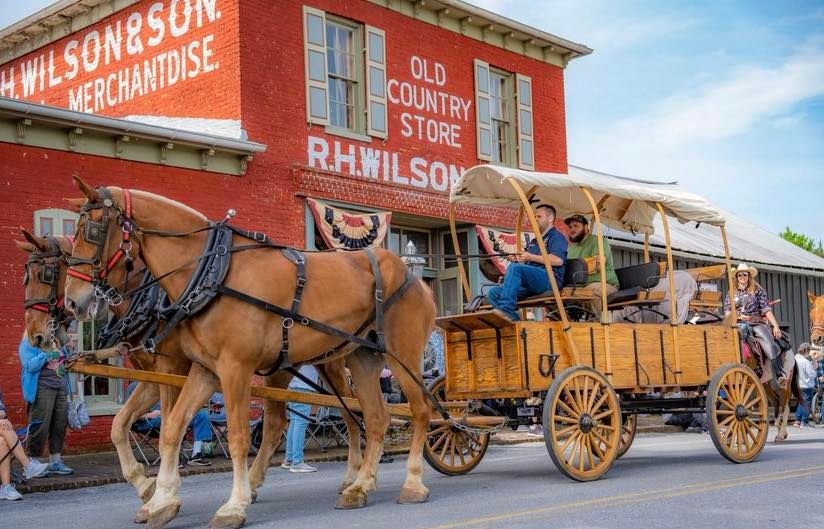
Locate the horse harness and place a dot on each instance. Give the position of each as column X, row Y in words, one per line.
column 208, row 279
column 49, row 275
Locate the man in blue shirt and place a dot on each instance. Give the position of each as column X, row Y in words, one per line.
column 526, row 276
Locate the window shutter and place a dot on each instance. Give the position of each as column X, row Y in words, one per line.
column 483, row 121
column 526, row 142
column 376, row 108
column 314, row 43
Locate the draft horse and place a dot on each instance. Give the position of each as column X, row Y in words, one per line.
column 45, row 318
column 339, row 309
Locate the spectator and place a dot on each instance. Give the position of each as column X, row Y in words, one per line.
column 201, row 429
column 10, row 445
column 44, row 389
column 806, row 383
column 298, row 420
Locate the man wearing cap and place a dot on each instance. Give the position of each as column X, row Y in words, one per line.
column 526, row 276
column 584, row 246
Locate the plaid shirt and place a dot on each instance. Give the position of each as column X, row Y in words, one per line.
column 755, row 304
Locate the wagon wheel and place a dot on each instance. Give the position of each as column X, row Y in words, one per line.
column 628, row 427
column 737, row 413
column 582, row 423
column 449, row 450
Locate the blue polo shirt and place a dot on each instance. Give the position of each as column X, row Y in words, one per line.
column 556, row 244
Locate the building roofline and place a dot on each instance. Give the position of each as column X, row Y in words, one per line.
column 114, row 126
column 575, row 49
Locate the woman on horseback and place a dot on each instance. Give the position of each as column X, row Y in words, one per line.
column 754, row 312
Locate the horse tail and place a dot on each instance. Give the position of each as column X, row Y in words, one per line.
column 799, row 395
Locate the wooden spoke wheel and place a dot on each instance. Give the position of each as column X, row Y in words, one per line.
column 582, row 423
column 628, row 427
column 448, row 449
column 737, row 412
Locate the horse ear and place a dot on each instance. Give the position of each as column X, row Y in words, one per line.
column 90, row 192
column 812, row 297
column 75, row 203
column 36, row 241
column 25, row 246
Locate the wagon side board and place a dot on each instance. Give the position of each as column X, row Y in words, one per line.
column 521, row 358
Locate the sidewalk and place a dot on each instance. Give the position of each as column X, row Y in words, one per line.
column 92, row 470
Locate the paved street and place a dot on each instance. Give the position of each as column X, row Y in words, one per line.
column 665, row 480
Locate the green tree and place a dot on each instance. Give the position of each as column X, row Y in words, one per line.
column 802, row 241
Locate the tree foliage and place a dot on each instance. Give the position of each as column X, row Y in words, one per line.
column 802, row 241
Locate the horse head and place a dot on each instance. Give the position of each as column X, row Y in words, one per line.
column 44, row 280
column 103, row 248
column 816, row 319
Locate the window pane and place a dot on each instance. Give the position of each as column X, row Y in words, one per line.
column 317, row 72
column 46, row 226
column 450, row 298
column 375, row 48
column 486, row 142
column 526, row 152
column 377, row 116
column 314, row 29
column 526, row 122
column 524, row 93
column 483, row 110
column 483, row 79
column 69, row 227
column 339, row 50
column 377, row 84
column 449, row 249
column 395, row 240
column 317, row 102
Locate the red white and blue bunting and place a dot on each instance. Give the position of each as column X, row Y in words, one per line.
column 495, row 241
column 342, row 229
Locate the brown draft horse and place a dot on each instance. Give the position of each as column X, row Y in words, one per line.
column 816, row 319
column 172, row 361
column 231, row 339
column 780, row 397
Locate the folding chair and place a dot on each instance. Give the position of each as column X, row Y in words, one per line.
column 23, row 438
column 220, row 427
column 142, row 434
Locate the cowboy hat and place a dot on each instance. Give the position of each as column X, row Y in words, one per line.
column 744, row 267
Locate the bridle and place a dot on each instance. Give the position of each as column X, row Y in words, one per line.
column 96, row 233
column 49, row 275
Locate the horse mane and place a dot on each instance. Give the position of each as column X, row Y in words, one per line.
column 169, row 202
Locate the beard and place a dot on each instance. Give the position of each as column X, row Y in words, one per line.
column 578, row 238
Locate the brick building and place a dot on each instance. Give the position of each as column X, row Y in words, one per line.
column 324, row 123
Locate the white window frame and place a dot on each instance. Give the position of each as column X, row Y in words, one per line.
column 483, row 121
column 524, row 96
column 376, row 97
column 316, row 48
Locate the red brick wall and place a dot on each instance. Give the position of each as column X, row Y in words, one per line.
column 273, row 104
column 200, row 61
column 35, row 178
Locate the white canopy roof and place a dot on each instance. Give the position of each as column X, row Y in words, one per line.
column 628, row 204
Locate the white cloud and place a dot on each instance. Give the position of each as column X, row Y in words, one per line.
column 728, row 107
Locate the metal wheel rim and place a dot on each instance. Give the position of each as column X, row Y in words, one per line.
column 739, row 413
column 582, row 424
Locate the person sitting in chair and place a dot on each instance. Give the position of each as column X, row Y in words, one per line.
column 526, row 276
column 201, row 429
column 584, row 245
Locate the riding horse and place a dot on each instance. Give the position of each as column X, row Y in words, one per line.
column 816, row 319
column 245, row 328
column 45, row 281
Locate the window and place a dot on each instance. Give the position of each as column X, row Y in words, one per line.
column 46, row 226
column 345, row 74
column 54, row 222
column 399, row 237
column 503, row 117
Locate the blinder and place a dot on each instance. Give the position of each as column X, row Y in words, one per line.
column 48, row 274
column 95, row 232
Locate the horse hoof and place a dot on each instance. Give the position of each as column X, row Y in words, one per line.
column 343, row 486
column 142, row 515
column 160, row 518
column 232, row 521
column 413, row 495
column 351, row 500
column 254, row 496
column 147, row 491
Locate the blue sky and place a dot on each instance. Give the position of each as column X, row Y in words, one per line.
column 725, row 97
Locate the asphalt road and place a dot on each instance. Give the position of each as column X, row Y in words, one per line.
column 665, row 480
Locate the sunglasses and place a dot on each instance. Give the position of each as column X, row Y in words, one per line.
column 742, row 274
